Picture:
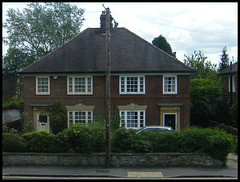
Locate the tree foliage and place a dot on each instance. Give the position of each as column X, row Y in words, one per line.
column 224, row 63
column 204, row 68
column 205, row 90
column 39, row 29
column 33, row 33
column 163, row 44
column 204, row 93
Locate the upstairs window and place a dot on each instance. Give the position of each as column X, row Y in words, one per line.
column 43, row 85
column 132, row 85
column 169, row 84
column 81, row 85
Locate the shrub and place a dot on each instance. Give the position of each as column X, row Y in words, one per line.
column 126, row 140
column 214, row 142
column 42, row 141
column 64, row 142
column 195, row 140
column 79, row 138
column 220, row 145
column 5, row 129
column 115, row 122
column 164, row 142
column 122, row 140
column 234, row 112
column 97, row 133
column 13, row 143
column 235, row 140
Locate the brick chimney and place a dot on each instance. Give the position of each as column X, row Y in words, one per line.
column 103, row 23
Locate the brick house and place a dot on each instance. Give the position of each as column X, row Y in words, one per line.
column 148, row 86
column 226, row 75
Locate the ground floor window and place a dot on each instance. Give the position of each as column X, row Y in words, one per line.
column 170, row 119
column 79, row 117
column 132, row 119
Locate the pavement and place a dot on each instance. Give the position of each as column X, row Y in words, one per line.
column 78, row 172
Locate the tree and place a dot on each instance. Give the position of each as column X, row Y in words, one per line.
column 41, row 28
column 162, row 43
column 204, row 68
column 57, row 117
column 205, row 89
column 224, row 63
column 34, row 32
column 204, row 94
column 14, row 60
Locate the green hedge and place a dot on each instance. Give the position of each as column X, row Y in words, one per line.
column 91, row 138
column 214, row 142
column 13, row 143
column 78, row 138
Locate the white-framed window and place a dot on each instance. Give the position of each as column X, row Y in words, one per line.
column 233, row 83
column 79, row 85
column 132, row 84
column 79, row 117
column 169, row 84
column 42, row 85
column 132, row 119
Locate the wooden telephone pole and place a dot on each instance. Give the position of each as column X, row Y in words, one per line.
column 108, row 90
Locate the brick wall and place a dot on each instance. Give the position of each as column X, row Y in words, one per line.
column 153, row 95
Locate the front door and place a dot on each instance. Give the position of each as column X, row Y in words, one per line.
column 170, row 120
column 43, row 122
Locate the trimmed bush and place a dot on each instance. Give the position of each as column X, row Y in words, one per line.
column 13, row 143
column 42, row 141
column 126, row 140
column 214, row 142
column 164, row 142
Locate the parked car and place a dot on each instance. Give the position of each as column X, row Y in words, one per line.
column 161, row 129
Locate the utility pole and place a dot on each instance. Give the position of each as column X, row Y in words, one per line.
column 108, row 90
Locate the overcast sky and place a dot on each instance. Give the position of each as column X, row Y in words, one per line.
column 206, row 27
